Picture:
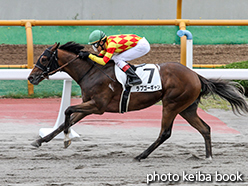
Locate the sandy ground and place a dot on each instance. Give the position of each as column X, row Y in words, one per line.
column 104, row 155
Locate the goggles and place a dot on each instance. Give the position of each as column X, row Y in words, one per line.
column 95, row 46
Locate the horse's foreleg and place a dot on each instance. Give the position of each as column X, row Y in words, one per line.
column 165, row 133
column 48, row 137
column 75, row 118
column 86, row 108
column 67, row 139
column 195, row 121
column 162, row 137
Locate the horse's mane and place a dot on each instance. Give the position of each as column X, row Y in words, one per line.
column 72, row 47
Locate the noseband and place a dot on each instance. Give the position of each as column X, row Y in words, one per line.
column 52, row 65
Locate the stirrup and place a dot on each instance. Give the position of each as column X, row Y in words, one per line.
column 134, row 82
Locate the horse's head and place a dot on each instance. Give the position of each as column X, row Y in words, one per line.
column 46, row 63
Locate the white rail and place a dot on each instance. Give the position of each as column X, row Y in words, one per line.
column 22, row 74
column 229, row 74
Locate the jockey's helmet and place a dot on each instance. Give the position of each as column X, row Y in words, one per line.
column 96, row 36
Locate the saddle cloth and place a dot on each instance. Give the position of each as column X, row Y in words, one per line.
column 148, row 73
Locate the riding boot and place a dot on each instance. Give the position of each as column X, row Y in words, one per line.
column 132, row 77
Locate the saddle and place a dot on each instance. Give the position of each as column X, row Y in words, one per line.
column 151, row 82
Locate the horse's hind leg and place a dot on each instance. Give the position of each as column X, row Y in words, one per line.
column 190, row 115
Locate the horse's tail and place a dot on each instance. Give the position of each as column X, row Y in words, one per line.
column 230, row 91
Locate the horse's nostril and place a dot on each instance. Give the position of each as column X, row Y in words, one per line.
column 30, row 78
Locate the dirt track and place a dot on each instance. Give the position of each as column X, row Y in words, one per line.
column 103, row 155
column 202, row 54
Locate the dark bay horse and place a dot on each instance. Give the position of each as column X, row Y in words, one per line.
column 181, row 91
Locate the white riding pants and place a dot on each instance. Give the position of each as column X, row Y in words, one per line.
column 142, row 48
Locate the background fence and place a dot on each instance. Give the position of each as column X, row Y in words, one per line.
column 158, row 30
column 121, row 9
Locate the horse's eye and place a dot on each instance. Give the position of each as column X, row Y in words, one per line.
column 43, row 59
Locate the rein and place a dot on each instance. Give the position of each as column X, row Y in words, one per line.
column 85, row 74
column 94, row 64
column 64, row 65
column 54, row 58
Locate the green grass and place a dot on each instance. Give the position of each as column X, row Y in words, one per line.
column 47, row 88
column 239, row 65
column 210, row 102
column 218, row 103
column 215, row 102
column 236, row 65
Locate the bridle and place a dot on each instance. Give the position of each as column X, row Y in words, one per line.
column 53, row 66
column 52, row 58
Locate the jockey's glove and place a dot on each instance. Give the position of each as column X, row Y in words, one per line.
column 83, row 54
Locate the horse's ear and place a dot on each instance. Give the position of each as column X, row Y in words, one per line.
column 57, row 45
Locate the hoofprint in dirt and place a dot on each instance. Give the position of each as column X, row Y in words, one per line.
column 104, row 156
column 202, row 54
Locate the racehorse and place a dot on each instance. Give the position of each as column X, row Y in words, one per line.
column 181, row 92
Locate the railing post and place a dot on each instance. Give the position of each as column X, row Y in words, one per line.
column 189, row 50
column 65, row 103
column 182, row 26
column 179, row 9
column 30, row 53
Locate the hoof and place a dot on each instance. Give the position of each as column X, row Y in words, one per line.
column 67, row 143
column 209, row 158
column 35, row 144
column 137, row 159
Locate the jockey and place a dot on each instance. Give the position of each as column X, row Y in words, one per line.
column 120, row 48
